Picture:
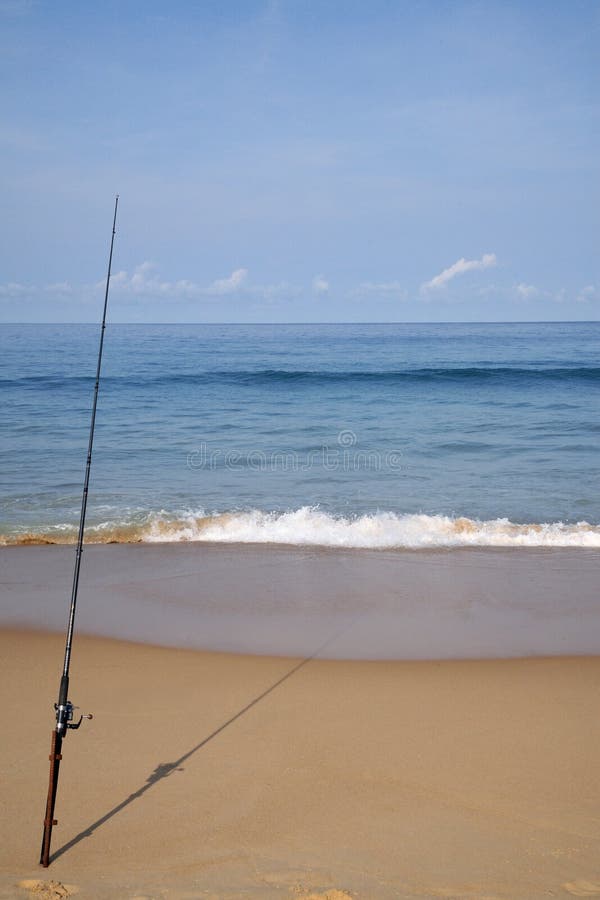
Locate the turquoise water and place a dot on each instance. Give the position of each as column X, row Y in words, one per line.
column 352, row 435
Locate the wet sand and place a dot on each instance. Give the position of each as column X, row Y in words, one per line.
column 301, row 601
column 219, row 775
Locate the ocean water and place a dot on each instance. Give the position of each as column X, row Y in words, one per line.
column 379, row 436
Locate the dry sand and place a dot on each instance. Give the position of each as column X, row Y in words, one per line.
column 215, row 775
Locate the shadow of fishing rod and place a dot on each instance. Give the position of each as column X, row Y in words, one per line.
column 163, row 770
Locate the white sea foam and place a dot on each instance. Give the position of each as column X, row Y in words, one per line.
column 311, row 526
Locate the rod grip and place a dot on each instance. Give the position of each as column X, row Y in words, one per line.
column 49, row 820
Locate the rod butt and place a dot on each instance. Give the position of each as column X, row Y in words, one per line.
column 49, row 820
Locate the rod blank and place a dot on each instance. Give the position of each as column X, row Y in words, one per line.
column 64, row 708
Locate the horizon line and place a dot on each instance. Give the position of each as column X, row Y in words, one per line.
column 362, row 322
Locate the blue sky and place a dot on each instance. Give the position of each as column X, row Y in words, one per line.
column 301, row 161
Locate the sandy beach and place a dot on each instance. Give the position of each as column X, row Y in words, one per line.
column 219, row 775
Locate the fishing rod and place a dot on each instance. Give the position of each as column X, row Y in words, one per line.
column 64, row 708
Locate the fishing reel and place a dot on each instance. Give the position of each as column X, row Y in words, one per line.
column 64, row 717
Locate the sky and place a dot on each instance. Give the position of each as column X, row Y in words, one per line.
column 300, row 161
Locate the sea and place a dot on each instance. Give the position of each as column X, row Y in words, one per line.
column 379, row 436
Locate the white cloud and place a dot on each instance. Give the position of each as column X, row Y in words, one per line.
column 588, row 293
column 526, row 291
column 14, row 289
column 146, row 280
column 280, row 290
column 230, row 284
column 461, row 266
column 320, row 284
column 142, row 278
column 117, row 278
column 385, row 288
column 59, row 287
column 268, row 296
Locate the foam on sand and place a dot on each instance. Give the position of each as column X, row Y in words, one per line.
column 311, row 526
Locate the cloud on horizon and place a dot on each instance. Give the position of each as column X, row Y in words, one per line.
column 588, row 294
column 526, row 291
column 230, row 284
column 146, row 280
column 320, row 284
column 382, row 288
column 15, row 289
column 460, row 267
column 242, row 294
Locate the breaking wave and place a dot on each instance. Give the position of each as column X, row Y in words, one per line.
column 310, row 526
